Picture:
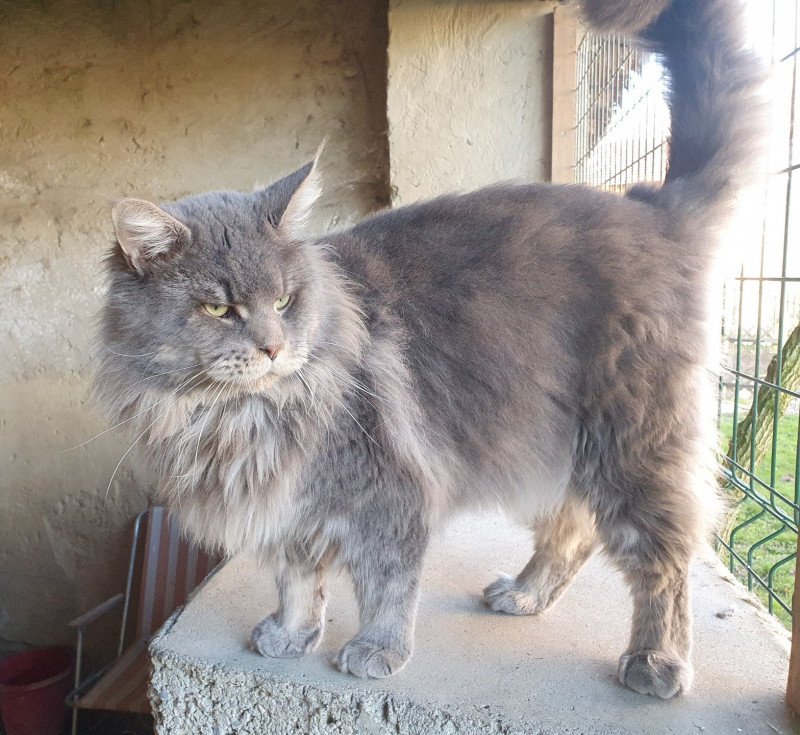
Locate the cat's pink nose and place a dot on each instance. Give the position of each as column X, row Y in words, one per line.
column 271, row 351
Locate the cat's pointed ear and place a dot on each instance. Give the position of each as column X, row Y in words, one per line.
column 290, row 201
column 144, row 232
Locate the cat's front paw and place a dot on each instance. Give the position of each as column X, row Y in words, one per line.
column 369, row 660
column 655, row 673
column 504, row 595
column 270, row 638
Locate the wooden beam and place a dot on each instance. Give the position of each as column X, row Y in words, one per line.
column 565, row 58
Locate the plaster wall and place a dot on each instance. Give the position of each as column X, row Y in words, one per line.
column 469, row 94
column 156, row 100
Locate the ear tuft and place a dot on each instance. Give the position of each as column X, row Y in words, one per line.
column 290, row 201
column 145, row 232
column 298, row 211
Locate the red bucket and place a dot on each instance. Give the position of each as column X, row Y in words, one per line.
column 33, row 685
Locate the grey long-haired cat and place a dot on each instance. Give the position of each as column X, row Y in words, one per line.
column 535, row 346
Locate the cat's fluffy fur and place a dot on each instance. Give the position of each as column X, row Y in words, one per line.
column 537, row 346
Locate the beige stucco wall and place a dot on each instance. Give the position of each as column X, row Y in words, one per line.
column 155, row 100
column 469, row 94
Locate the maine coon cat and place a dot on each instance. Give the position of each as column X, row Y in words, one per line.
column 541, row 347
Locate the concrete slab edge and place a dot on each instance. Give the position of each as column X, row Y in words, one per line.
column 191, row 697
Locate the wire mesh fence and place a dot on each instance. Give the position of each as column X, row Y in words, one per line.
column 622, row 120
column 621, row 128
column 759, row 398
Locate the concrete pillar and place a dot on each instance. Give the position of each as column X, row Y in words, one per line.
column 469, row 94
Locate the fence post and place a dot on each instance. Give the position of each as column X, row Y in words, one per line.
column 565, row 57
column 793, row 685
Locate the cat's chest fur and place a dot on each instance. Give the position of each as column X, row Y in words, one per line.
column 232, row 469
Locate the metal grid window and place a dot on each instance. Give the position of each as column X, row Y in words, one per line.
column 622, row 119
column 621, row 128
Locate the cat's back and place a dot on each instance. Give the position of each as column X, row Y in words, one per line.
column 554, row 244
column 459, row 226
column 535, row 278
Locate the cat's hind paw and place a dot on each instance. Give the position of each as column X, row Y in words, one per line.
column 270, row 638
column 655, row 673
column 369, row 660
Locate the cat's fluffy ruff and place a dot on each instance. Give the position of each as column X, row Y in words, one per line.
column 537, row 346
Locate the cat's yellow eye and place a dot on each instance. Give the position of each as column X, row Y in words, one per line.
column 282, row 303
column 217, row 310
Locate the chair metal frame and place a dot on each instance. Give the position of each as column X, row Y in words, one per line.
column 80, row 624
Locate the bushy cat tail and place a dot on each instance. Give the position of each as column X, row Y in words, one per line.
column 629, row 17
column 716, row 106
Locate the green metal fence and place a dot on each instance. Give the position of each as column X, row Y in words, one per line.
column 621, row 125
column 759, row 397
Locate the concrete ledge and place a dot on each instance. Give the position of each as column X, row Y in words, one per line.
column 473, row 672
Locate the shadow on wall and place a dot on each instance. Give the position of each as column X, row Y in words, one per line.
column 108, row 99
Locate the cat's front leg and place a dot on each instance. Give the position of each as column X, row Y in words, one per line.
column 384, row 559
column 296, row 627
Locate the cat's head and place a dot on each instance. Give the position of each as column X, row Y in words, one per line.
column 220, row 286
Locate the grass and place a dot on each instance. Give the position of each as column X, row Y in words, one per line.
column 757, row 533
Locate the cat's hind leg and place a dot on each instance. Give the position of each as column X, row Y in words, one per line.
column 296, row 627
column 652, row 543
column 563, row 542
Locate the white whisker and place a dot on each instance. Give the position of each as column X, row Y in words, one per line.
column 352, row 382
column 136, row 415
column 223, row 386
column 341, row 405
column 166, row 372
column 188, row 437
column 122, row 354
column 115, row 405
column 122, row 459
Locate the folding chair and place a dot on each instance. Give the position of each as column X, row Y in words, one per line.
column 170, row 569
